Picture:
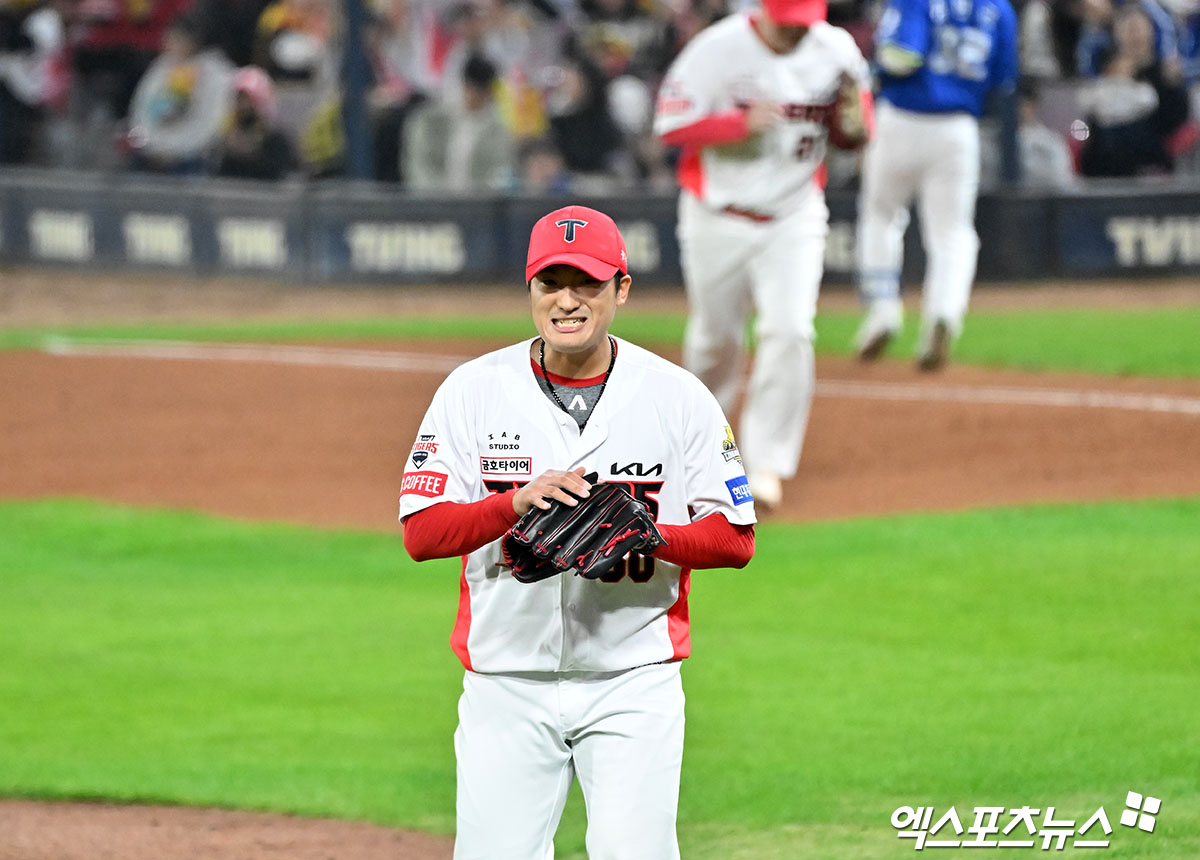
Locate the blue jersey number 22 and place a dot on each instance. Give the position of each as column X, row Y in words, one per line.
column 961, row 51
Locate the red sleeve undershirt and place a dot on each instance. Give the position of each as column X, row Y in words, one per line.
column 452, row 529
column 711, row 542
column 726, row 127
column 730, row 126
column 449, row 529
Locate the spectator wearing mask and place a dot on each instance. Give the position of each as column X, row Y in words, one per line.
column 296, row 44
column 180, row 104
column 252, row 147
column 460, row 146
column 293, row 40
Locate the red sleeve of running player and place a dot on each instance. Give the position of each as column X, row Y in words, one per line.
column 452, row 529
column 707, row 543
column 716, row 128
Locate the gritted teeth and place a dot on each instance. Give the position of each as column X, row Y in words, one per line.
column 568, row 323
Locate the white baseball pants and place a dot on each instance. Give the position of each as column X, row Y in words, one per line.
column 934, row 158
column 521, row 739
column 732, row 267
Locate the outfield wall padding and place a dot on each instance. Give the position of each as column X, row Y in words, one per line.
column 356, row 232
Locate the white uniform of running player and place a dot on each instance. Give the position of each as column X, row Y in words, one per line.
column 569, row 676
column 753, row 219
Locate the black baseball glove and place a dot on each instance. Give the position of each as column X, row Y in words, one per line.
column 590, row 537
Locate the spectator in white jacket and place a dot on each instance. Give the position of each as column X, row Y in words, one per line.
column 180, row 104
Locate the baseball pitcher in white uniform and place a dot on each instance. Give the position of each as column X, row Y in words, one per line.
column 570, row 677
column 753, row 100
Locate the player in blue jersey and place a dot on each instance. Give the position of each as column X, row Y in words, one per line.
column 939, row 62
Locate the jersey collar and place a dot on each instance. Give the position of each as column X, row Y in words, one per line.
column 754, row 19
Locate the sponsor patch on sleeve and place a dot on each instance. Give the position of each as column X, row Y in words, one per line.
column 428, row 484
column 672, row 99
column 739, row 490
column 424, row 446
column 729, row 448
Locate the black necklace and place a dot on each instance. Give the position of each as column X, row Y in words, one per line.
column 612, row 360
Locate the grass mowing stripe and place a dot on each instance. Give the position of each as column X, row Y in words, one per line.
column 1041, row 656
column 1149, row 342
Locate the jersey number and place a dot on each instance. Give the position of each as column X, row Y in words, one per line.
column 961, row 51
column 638, row 568
column 805, row 146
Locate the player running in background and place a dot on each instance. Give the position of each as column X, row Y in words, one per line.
column 753, row 101
column 938, row 61
column 572, row 677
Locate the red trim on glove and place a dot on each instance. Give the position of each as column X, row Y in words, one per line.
column 707, row 543
column 448, row 529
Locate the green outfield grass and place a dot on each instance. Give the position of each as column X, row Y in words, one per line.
column 1158, row 342
column 1036, row 656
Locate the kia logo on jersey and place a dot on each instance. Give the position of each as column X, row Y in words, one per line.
column 638, row 469
column 570, row 224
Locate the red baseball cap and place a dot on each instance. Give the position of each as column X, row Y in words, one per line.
column 580, row 237
column 795, row 13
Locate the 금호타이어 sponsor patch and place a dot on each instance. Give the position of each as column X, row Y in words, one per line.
column 522, row 466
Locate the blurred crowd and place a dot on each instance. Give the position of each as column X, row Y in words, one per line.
column 511, row 96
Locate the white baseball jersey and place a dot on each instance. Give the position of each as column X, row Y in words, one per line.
column 656, row 429
column 726, row 66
